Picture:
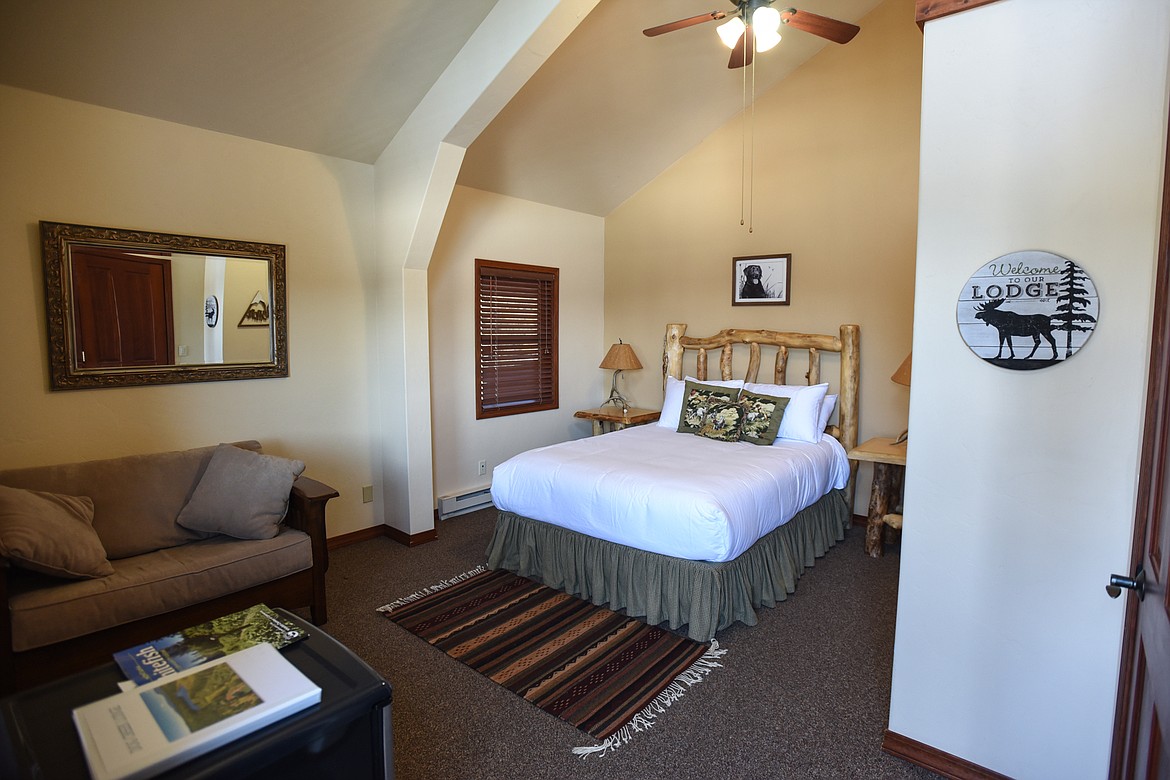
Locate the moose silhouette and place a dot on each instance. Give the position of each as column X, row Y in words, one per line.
column 1010, row 323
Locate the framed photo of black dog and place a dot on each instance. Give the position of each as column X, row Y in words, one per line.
column 761, row 280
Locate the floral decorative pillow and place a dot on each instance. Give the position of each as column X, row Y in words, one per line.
column 672, row 399
column 697, row 400
column 723, row 422
column 762, row 416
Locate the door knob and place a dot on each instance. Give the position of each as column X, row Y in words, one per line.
column 1135, row 583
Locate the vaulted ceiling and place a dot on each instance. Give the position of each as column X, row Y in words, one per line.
column 605, row 114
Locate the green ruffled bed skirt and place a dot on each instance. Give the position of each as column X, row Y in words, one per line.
column 706, row 597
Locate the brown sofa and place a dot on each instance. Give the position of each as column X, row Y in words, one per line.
column 102, row 555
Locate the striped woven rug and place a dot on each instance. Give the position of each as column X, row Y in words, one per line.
column 607, row 674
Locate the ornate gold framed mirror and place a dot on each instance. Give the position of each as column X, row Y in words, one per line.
column 131, row 307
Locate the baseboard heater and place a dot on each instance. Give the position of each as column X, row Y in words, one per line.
column 462, row 503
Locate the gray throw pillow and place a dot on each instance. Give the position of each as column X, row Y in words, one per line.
column 51, row 533
column 241, row 494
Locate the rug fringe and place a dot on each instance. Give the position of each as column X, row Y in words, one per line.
column 692, row 675
column 428, row 590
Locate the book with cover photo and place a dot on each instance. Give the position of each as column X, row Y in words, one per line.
column 198, row 644
column 151, row 728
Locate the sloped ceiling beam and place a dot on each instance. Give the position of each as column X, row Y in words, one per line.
column 414, row 179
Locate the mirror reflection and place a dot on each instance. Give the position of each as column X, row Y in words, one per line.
column 131, row 307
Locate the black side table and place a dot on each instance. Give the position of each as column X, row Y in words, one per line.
column 347, row 735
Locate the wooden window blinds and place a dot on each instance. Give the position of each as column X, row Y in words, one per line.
column 515, row 338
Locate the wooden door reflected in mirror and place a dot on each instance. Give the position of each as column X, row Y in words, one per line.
column 137, row 308
column 121, row 308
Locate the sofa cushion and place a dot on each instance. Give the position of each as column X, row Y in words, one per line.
column 135, row 498
column 51, row 533
column 241, row 494
column 152, row 584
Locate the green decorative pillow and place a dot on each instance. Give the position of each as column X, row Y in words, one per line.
column 722, row 422
column 697, row 398
column 762, row 415
column 51, row 534
column 242, row 494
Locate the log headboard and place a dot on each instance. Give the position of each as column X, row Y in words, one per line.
column 848, row 344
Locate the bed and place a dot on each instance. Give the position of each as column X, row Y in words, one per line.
column 692, row 530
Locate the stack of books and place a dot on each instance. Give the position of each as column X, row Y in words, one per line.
column 191, row 692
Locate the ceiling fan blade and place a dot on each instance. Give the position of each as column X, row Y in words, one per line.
column 823, row 26
column 683, row 23
column 741, row 55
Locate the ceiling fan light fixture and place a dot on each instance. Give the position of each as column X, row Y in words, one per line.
column 766, row 26
column 766, row 19
column 766, row 39
column 730, row 31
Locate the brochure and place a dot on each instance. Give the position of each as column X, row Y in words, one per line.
column 198, row 644
column 156, row 726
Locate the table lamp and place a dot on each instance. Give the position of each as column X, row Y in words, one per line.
column 620, row 358
column 902, row 376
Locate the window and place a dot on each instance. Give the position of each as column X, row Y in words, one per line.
column 515, row 338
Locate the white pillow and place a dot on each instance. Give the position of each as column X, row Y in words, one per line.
column 802, row 413
column 672, row 399
column 827, row 407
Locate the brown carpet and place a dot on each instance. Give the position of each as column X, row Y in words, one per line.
column 803, row 695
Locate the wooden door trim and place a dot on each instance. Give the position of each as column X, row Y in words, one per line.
column 938, row 761
column 927, row 10
column 1149, row 494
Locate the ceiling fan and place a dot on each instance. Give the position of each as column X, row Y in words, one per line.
column 754, row 27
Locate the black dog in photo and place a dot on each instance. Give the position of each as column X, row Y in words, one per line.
column 752, row 286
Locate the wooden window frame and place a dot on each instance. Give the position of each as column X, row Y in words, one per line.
column 541, row 285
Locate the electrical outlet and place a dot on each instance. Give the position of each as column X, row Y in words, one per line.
column 367, row 494
column 482, row 467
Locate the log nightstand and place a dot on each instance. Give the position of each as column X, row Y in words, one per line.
column 885, row 497
column 608, row 419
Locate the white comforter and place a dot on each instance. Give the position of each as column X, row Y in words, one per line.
column 672, row 493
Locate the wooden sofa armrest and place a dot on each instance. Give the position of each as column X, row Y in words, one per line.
column 306, row 512
column 7, row 662
column 312, row 490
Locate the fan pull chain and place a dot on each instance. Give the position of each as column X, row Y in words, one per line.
column 743, row 131
column 752, row 177
column 747, row 142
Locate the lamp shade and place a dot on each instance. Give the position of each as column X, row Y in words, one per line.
column 766, row 39
column 620, row 357
column 730, row 31
column 766, row 18
column 902, row 375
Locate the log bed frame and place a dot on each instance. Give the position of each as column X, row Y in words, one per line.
column 848, row 344
column 705, row 596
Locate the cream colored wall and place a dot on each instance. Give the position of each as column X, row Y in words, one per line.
column 1021, row 486
column 836, row 176
column 243, row 279
column 414, row 178
column 483, row 225
column 69, row 162
column 187, row 307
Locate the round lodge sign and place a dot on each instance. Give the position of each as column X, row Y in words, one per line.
column 1027, row 310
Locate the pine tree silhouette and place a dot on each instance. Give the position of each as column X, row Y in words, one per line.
column 1071, row 304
